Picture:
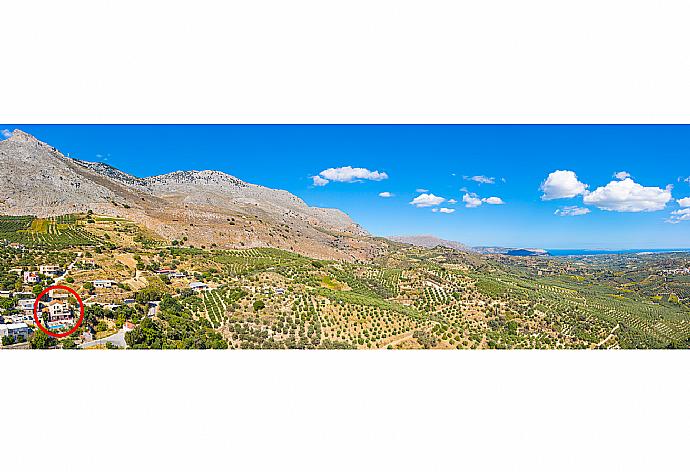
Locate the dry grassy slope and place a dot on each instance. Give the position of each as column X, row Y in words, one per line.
column 206, row 207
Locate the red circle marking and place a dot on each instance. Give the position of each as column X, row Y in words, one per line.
column 76, row 325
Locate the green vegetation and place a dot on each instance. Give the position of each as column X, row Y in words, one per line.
column 57, row 232
column 262, row 298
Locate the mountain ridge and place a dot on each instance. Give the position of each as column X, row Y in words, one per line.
column 206, row 207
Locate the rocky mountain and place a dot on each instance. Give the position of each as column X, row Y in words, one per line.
column 207, row 207
column 430, row 241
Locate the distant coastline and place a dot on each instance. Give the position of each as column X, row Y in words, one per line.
column 596, row 252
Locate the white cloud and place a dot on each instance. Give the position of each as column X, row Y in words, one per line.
column 684, row 202
column 572, row 211
column 482, row 179
column 622, row 175
column 471, row 200
column 385, row 195
column 427, row 200
column 446, row 210
column 318, row 181
column 421, row 190
column 351, row 174
column 5, row 133
column 562, row 184
column 452, row 201
column 628, row 196
column 679, row 215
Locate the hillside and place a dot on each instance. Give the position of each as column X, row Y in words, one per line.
column 265, row 298
column 203, row 207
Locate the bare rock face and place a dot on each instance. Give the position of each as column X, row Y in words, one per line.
column 208, row 207
column 37, row 179
column 217, row 189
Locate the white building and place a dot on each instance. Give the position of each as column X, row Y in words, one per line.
column 49, row 269
column 103, row 283
column 19, row 331
column 198, row 286
column 25, row 304
column 31, row 278
column 59, row 311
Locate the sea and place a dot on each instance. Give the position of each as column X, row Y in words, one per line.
column 597, row 252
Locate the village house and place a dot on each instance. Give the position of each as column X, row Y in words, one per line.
column 5, row 293
column 198, row 286
column 103, row 283
column 18, row 331
column 25, row 317
column 58, row 311
column 25, row 304
column 31, row 277
column 50, row 270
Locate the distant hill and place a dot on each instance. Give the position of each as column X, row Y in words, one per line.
column 509, row 251
column 527, row 252
column 207, row 207
column 430, row 241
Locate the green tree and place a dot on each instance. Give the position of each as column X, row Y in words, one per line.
column 40, row 340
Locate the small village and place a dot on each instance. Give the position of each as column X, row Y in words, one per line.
column 58, row 310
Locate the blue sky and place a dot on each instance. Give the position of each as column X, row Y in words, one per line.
column 585, row 207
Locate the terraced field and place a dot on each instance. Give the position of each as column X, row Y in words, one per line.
column 57, row 232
